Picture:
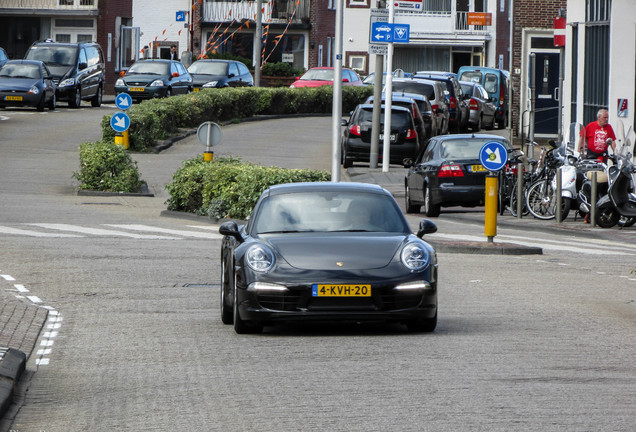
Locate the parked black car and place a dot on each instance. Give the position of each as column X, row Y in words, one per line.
column 482, row 110
column 434, row 91
column 156, row 78
column 448, row 173
column 211, row 73
column 327, row 251
column 78, row 69
column 458, row 107
column 26, row 83
column 407, row 102
column 426, row 109
column 356, row 137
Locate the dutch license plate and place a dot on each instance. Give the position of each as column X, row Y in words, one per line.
column 136, row 89
column 346, row 290
column 13, row 98
column 475, row 168
column 392, row 137
column 196, row 89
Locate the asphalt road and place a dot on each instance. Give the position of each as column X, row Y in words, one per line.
column 531, row 343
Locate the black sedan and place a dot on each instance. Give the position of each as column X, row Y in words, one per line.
column 147, row 79
column 27, row 83
column 448, row 173
column 208, row 73
column 327, row 251
column 355, row 142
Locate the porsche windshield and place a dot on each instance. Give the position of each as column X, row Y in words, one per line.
column 329, row 212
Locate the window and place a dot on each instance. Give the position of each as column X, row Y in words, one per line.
column 357, row 61
column 596, row 68
column 233, row 69
column 357, row 3
column 62, row 38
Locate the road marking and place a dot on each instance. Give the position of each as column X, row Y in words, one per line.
column 146, row 228
column 100, row 232
column 34, row 299
column 7, row 277
column 17, row 231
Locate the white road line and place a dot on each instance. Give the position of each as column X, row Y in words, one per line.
column 21, row 288
column 7, row 277
column 100, row 232
column 17, row 231
column 147, row 228
column 34, row 299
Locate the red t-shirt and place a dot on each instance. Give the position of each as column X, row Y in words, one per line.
column 595, row 136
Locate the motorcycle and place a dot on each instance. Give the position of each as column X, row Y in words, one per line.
column 620, row 201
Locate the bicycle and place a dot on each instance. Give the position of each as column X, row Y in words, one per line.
column 508, row 182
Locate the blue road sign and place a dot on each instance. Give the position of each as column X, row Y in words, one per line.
column 493, row 155
column 120, row 122
column 123, row 101
column 180, row 15
column 382, row 32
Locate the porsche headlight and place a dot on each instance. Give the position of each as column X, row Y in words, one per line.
column 414, row 256
column 210, row 84
column 259, row 258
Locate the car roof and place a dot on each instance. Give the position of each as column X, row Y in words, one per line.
column 396, row 97
column 469, row 136
column 325, row 187
column 207, row 60
column 414, row 96
column 396, row 108
column 69, row 44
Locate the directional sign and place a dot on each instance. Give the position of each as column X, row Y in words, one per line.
column 382, row 32
column 120, row 122
column 493, row 155
column 123, row 101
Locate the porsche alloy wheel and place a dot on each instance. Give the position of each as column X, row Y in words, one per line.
column 227, row 316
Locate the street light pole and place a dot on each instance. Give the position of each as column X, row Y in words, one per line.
column 337, row 95
column 258, row 47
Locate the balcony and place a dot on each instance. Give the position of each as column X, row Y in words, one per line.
column 442, row 25
column 52, row 5
column 279, row 11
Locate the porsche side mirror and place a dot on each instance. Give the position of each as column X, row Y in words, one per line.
column 231, row 229
column 426, row 227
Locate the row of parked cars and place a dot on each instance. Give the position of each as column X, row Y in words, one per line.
column 72, row 72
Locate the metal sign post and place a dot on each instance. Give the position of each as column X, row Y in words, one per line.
column 493, row 156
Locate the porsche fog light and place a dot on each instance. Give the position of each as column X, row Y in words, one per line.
column 414, row 256
column 259, row 258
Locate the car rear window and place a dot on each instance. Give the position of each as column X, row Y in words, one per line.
column 399, row 119
column 414, row 87
column 463, row 148
column 474, row 76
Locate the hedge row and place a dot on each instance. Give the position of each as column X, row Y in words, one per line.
column 228, row 187
column 158, row 119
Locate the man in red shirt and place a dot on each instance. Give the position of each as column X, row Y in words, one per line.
column 595, row 136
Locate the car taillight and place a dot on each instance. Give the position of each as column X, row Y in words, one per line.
column 410, row 134
column 474, row 105
column 434, row 107
column 453, row 102
column 355, row 130
column 450, row 171
column 501, row 94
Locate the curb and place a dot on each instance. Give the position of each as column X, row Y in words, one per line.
column 145, row 192
column 12, row 364
column 483, row 248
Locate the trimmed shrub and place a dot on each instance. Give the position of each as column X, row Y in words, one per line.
column 280, row 69
column 227, row 187
column 107, row 167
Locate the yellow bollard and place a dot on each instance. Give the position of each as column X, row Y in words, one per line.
column 126, row 142
column 119, row 139
column 208, row 156
column 490, row 225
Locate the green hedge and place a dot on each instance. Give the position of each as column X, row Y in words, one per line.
column 107, row 167
column 228, row 187
column 158, row 119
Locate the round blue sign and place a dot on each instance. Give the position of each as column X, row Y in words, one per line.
column 123, row 101
column 120, row 122
column 493, row 155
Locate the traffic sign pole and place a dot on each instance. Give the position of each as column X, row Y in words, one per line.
column 386, row 149
column 493, row 156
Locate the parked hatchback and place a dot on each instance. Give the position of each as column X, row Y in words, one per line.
column 448, row 173
column 482, row 110
column 434, row 91
column 406, row 102
column 320, row 76
column 78, row 69
column 26, row 83
column 496, row 82
column 356, row 137
column 212, row 73
column 156, row 78
column 457, row 106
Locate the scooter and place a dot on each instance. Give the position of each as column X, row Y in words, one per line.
column 620, row 200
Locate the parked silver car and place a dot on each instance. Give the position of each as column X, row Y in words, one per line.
column 482, row 109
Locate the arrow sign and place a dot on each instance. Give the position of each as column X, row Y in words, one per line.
column 381, row 32
column 123, row 101
column 493, row 155
column 120, row 122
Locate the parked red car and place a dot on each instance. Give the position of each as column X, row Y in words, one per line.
column 320, row 76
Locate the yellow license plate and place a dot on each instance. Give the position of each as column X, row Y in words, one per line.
column 196, row 89
column 347, row 290
column 136, row 89
column 475, row 168
column 13, row 98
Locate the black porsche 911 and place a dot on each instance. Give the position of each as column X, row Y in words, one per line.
column 327, row 251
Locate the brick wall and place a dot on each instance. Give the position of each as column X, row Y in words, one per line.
column 323, row 22
column 108, row 11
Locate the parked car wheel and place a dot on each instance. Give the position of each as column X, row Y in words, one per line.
column 42, row 103
column 77, row 99
column 431, row 210
column 97, row 99
column 346, row 162
column 410, row 208
column 53, row 102
column 168, row 92
column 227, row 316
